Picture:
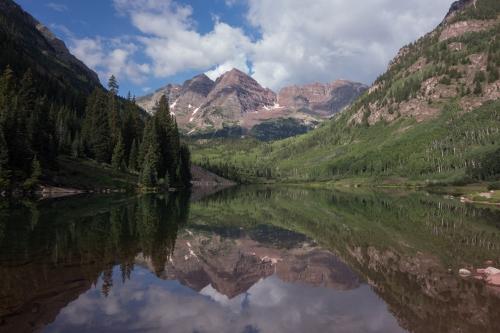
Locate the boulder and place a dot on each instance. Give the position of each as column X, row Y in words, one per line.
column 492, row 271
column 494, row 280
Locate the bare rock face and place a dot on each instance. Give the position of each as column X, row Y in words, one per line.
column 461, row 28
column 457, row 7
column 323, row 100
column 202, row 103
column 234, row 94
column 236, row 99
column 148, row 102
column 240, row 89
column 400, row 92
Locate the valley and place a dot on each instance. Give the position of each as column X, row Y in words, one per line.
column 431, row 119
column 264, row 189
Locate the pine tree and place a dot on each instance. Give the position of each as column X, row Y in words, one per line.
column 6, row 95
column 478, row 89
column 165, row 181
column 169, row 139
column 118, row 159
column 18, row 138
column 96, row 127
column 113, row 86
column 132, row 160
column 5, row 173
column 132, row 127
column 36, row 173
column 147, row 177
column 146, row 141
column 76, row 146
column 149, row 172
column 185, row 166
column 115, row 125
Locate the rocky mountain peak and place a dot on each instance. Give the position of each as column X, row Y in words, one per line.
column 235, row 77
column 457, row 7
column 235, row 98
column 201, row 84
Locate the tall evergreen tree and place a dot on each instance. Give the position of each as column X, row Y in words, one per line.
column 149, row 173
column 146, row 140
column 132, row 160
column 113, row 86
column 18, row 137
column 169, row 140
column 185, row 166
column 76, row 146
column 7, row 86
column 97, row 128
column 118, row 159
column 113, row 110
column 132, row 126
column 5, row 172
column 36, row 173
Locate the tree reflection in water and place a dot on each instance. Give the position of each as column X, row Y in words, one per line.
column 240, row 259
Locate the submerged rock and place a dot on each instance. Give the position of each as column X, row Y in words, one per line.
column 490, row 275
column 489, row 271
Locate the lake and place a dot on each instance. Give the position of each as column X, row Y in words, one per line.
column 248, row 259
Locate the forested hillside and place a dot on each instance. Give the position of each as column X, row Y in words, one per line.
column 52, row 105
column 34, row 131
column 434, row 115
column 27, row 44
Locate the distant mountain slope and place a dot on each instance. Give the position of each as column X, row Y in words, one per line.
column 26, row 43
column 433, row 115
column 322, row 100
column 236, row 99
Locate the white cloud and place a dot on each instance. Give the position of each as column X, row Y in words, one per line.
column 144, row 304
column 89, row 50
column 63, row 29
column 300, row 41
column 230, row 3
column 323, row 40
column 239, row 62
column 111, row 56
column 58, row 7
column 173, row 44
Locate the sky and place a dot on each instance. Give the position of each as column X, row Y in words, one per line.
column 149, row 43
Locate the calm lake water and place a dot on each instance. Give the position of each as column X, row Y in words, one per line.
column 250, row 259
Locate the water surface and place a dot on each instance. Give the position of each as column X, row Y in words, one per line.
column 250, row 259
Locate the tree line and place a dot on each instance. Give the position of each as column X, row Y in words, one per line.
column 35, row 130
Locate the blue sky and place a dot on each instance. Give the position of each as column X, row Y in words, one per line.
column 149, row 43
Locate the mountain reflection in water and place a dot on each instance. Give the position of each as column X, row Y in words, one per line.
column 252, row 259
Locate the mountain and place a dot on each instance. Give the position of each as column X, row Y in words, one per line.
column 184, row 99
column 26, row 43
column 322, row 100
column 233, row 97
column 433, row 116
column 236, row 100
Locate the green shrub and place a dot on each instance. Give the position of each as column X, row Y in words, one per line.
column 494, row 186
